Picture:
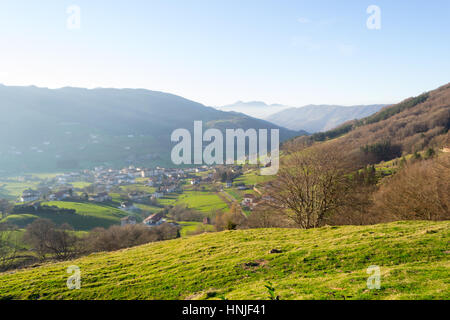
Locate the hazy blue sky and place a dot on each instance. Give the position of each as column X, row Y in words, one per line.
column 217, row 52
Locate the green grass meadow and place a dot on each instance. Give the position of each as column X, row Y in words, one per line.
column 86, row 217
column 323, row 263
column 205, row 202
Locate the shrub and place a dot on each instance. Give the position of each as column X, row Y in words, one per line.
column 230, row 220
column 382, row 151
column 183, row 213
column 117, row 237
column 49, row 240
column 419, row 191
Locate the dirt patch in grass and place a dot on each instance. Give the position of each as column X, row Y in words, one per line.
column 255, row 264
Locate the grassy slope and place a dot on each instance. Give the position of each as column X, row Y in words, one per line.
column 87, row 208
column 138, row 188
column 325, row 263
column 13, row 189
column 202, row 201
column 86, row 217
column 191, row 226
column 252, row 177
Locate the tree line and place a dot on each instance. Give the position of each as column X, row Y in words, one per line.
column 49, row 241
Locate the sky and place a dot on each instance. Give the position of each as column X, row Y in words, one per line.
column 217, row 52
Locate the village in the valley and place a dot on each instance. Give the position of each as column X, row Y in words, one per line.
column 135, row 195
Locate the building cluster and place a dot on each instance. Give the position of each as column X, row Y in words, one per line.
column 61, row 187
column 97, row 185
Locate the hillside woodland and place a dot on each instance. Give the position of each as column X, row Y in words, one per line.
column 392, row 165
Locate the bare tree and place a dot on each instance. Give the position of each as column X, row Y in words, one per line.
column 230, row 220
column 5, row 207
column 117, row 237
column 357, row 206
column 420, row 191
column 47, row 239
column 310, row 186
column 263, row 216
column 8, row 246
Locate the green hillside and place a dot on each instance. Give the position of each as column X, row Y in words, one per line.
column 413, row 257
column 71, row 128
column 86, row 216
column 202, row 201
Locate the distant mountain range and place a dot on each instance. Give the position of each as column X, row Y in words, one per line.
column 256, row 109
column 315, row 118
column 416, row 124
column 311, row 118
column 46, row 130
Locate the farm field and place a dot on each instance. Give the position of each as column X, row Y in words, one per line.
column 148, row 208
column 138, row 188
column 169, row 199
column 12, row 189
column 412, row 256
column 252, row 177
column 80, row 184
column 202, row 201
column 236, row 194
column 89, row 209
column 86, row 217
column 190, row 226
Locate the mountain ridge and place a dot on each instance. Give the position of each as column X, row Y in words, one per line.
column 316, row 118
column 410, row 126
column 68, row 128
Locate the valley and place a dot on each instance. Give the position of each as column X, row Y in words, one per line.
column 226, row 232
column 224, row 159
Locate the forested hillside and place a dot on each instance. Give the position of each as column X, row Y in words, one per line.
column 412, row 125
column 72, row 128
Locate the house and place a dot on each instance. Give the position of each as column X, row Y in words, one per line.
column 195, row 181
column 139, row 196
column 129, row 207
column 268, row 198
column 157, row 195
column 229, row 184
column 155, row 219
column 206, row 179
column 171, row 189
column 100, row 197
column 60, row 195
column 130, row 220
column 206, row 220
column 248, row 200
column 30, row 195
column 61, row 180
column 135, row 195
column 172, row 223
